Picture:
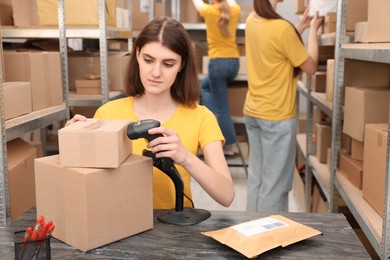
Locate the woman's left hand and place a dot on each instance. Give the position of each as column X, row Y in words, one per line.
column 169, row 145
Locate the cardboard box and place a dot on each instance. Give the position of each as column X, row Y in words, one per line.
column 237, row 94
column 362, row 106
column 93, row 207
column 88, row 83
column 81, row 64
column 25, row 13
column 300, row 6
column 318, row 82
column 188, row 13
column 378, row 19
column 357, row 150
column 366, row 74
column 94, row 143
column 318, row 201
column 374, row 167
column 89, row 86
column 6, row 13
column 323, row 141
column 299, row 190
column 17, row 99
column 361, row 34
column 140, row 14
column 352, row 170
column 356, row 12
column 21, row 179
column 78, row 13
column 329, row 80
column 42, row 69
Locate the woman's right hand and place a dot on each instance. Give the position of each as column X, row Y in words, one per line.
column 75, row 119
column 316, row 21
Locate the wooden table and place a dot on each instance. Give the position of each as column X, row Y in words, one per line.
column 166, row 241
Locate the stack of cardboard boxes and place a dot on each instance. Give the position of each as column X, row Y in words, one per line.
column 366, row 103
column 95, row 191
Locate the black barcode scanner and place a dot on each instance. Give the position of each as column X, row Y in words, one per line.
column 179, row 216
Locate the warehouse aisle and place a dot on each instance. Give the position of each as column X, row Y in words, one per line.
column 202, row 199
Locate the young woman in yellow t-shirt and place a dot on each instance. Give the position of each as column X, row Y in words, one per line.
column 275, row 53
column 221, row 20
column 162, row 84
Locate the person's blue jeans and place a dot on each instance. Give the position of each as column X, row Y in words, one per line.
column 214, row 93
column 271, row 163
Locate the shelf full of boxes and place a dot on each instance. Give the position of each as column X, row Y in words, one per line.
column 356, row 99
column 24, row 24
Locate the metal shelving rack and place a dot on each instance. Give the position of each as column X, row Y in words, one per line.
column 376, row 228
column 16, row 127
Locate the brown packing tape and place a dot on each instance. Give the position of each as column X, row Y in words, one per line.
column 255, row 237
column 95, row 124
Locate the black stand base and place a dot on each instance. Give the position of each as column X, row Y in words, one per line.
column 188, row 216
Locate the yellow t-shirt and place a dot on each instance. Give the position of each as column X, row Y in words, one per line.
column 273, row 49
column 220, row 46
column 196, row 128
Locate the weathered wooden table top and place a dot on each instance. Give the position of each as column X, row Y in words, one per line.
column 166, row 241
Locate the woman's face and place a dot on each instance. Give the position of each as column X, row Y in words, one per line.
column 158, row 67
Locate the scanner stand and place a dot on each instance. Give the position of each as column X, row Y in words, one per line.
column 178, row 216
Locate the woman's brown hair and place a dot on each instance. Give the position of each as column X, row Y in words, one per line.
column 224, row 17
column 264, row 9
column 171, row 34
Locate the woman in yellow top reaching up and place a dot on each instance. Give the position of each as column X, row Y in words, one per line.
column 275, row 55
column 162, row 84
column 221, row 20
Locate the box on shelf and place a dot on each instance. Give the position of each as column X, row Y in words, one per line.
column 362, row 106
column 299, row 190
column 318, row 202
column 188, row 13
column 17, row 99
column 81, row 64
column 356, row 12
column 42, row 69
column 374, row 167
column 357, row 150
column 318, row 82
column 329, row 80
column 300, row 6
column 94, row 143
column 237, row 94
column 78, row 13
column 351, row 169
column 330, row 23
column 21, row 179
column 323, row 141
column 6, row 15
column 366, row 74
column 92, row 207
column 378, row 19
column 88, row 86
column 325, row 52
